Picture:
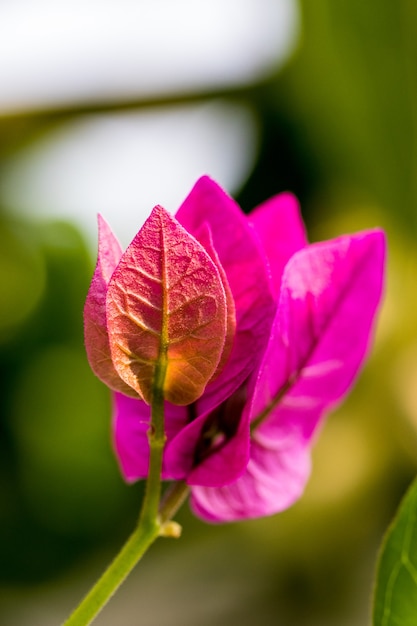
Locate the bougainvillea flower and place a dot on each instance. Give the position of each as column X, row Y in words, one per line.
column 319, row 338
column 296, row 326
column 208, row 215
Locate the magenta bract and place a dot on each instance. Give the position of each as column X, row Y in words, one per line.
column 97, row 341
column 293, row 326
column 319, row 338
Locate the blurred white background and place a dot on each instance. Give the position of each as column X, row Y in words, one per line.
column 61, row 53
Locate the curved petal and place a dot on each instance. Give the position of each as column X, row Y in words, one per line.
column 207, row 452
column 321, row 333
column 279, row 225
column 329, row 299
column 131, row 419
column 247, row 270
column 95, row 318
column 275, row 477
column 205, row 238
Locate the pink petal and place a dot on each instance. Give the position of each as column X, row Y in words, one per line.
column 95, row 319
column 329, row 298
column 131, row 419
column 205, row 238
column 166, row 298
column 210, row 463
column 241, row 255
column 278, row 224
column 274, row 479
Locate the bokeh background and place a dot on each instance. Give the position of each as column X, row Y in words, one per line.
column 117, row 106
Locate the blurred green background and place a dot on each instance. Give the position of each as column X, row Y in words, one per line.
column 334, row 119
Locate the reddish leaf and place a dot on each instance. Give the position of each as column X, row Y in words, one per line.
column 166, row 297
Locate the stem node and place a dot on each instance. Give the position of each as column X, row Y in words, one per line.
column 170, row 529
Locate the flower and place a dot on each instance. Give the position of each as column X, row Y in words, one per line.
column 296, row 329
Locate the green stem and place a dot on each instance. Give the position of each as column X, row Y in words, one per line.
column 172, row 500
column 151, row 524
column 137, row 544
column 115, row 574
column 155, row 518
column 156, row 436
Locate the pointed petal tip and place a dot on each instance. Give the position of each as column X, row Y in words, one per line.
column 371, row 237
column 289, row 197
column 206, row 179
column 374, row 242
column 379, row 236
column 158, row 209
column 100, row 219
column 207, row 183
column 104, row 227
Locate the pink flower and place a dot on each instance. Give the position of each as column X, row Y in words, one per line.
column 304, row 316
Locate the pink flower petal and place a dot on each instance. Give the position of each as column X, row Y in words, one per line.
column 329, row 298
column 206, row 240
column 241, row 255
column 274, row 479
column 131, row 420
column 95, row 320
column 278, row 224
column 212, row 450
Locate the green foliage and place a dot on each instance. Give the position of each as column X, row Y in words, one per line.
column 396, row 588
column 22, row 278
column 353, row 88
column 60, row 490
